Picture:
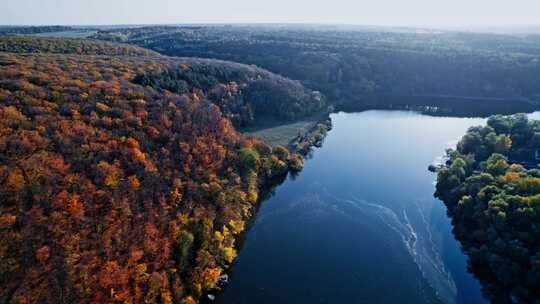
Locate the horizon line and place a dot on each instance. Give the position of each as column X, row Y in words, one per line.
column 419, row 25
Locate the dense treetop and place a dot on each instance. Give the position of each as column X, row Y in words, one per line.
column 250, row 93
column 116, row 192
column 494, row 203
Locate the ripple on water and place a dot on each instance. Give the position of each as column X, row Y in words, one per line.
column 419, row 242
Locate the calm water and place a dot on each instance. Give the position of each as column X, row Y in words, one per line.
column 359, row 224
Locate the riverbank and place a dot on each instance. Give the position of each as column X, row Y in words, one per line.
column 444, row 105
column 309, row 132
column 313, row 137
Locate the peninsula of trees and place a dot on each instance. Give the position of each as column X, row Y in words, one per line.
column 491, row 186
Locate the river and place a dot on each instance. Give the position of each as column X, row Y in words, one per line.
column 359, row 224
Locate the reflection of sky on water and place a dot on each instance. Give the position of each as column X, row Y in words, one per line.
column 360, row 224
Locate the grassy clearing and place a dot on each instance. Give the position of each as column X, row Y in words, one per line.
column 282, row 133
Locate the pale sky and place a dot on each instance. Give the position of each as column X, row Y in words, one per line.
column 365, row 12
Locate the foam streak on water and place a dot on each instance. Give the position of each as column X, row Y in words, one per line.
column 419, row 242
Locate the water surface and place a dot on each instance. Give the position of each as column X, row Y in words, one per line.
column 359, row 224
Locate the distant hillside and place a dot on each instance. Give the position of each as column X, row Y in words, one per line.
column 27, row 30
column 365, row 67
column 29, row 44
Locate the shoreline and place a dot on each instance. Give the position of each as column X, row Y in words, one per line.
column 301, row 146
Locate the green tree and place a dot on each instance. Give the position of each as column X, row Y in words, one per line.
column 248, row 159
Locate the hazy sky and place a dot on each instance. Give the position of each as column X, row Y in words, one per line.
column 368, row 12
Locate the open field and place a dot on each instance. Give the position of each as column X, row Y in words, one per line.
column 283, row 134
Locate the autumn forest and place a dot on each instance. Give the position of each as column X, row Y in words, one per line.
column 116, row 192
